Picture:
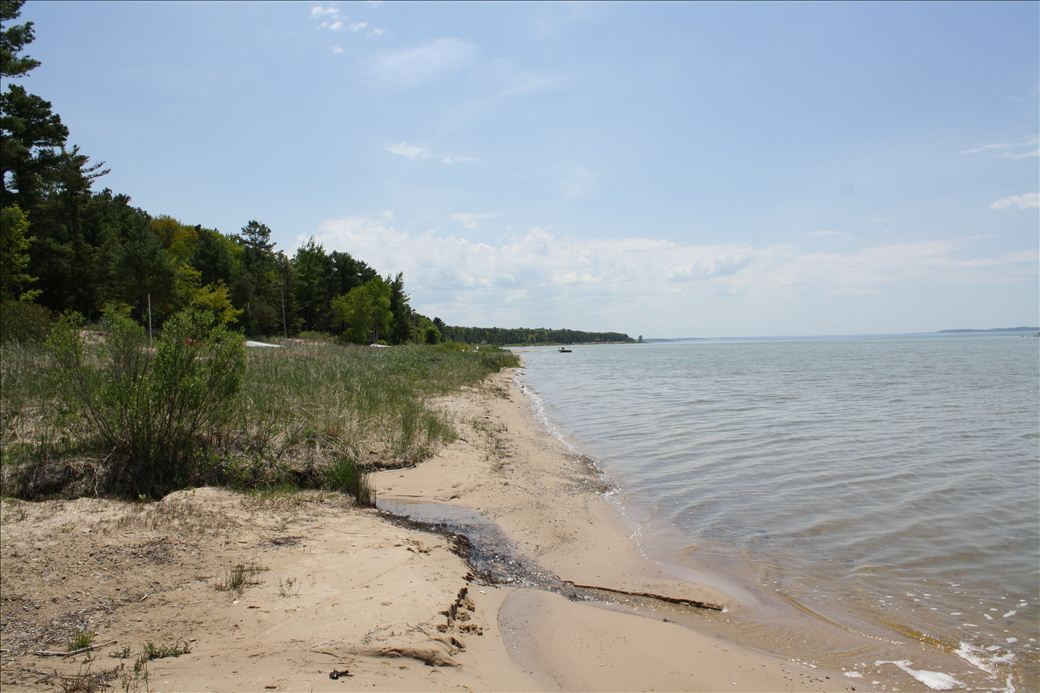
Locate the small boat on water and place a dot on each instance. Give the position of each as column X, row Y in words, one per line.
column 564, row 350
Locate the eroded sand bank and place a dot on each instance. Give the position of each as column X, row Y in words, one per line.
column 342, row 589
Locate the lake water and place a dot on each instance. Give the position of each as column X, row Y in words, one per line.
column 890, row 485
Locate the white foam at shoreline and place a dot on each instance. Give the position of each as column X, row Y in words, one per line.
column 614, row 494
column 936, row 680
column 538, row 407
column 542, row 417
column 981, row 659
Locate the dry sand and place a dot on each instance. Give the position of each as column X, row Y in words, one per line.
column 345, row 589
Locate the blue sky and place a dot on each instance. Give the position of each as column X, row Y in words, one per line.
column 660, row 169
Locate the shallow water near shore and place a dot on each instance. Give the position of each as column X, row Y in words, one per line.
column 888, row 484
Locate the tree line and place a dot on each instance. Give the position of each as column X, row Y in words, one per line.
column 526, row 335
column 65, row 246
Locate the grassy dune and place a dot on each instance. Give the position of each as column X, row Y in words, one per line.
column 304, row 412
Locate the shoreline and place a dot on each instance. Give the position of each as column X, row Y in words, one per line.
column 338, row 588
column 861, row 643
column 549, row 500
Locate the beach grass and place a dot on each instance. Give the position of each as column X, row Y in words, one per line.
column 153, row 651
column 310, row 415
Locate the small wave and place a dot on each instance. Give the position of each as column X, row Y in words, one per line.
column 540, row 415
column 936, row 680
column 875, row 462
column 611, row 489
column 982, row 659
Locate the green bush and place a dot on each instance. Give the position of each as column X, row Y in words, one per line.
column 150, row 407
column 455, row 346
column 312, row 336
column 24, row 322
column 346, row 476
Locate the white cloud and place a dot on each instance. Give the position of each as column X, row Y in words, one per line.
column 528, row 83
column 1012, row 150
column 1021, row 155
column 471, row 220
column 320, row 11
column 411, row 66
column 576, row 180
column 407, row 150
column 412, row 152
column 502, row 79
column 337, row 49
column 723, row 262
column 830, row 233
column 331, row 20
column 600, row 283
column 1027, row 201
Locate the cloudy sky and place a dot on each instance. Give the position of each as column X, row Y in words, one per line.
column 666, row 170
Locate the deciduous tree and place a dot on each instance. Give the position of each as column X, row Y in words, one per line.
column 14, row 255
column 363, row 314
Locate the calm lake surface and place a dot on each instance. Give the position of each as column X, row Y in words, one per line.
column 886, row 481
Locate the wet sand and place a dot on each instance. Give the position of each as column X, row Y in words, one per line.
column 339, row 589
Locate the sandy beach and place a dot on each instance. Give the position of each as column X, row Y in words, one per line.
column 333, row 597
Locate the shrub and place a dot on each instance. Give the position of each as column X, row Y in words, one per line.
column 80, row 640
column 454, row 346
column 494, row 358
column 346, row 476
column 150, row 406
column 153, row 651
column 25, row 322
column 312, row 336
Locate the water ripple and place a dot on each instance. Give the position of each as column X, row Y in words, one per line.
column 897, row 461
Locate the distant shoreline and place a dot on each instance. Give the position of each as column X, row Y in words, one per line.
column 994, row 330
column 963, row 330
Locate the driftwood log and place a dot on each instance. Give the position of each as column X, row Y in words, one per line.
column 660, row 597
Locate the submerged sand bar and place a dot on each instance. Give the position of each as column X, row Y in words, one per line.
column 336, row 590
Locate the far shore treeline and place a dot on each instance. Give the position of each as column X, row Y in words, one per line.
column 523, row 335
column 65, row 246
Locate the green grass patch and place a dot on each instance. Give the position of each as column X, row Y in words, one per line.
column 80, row 640
column 152, row 651
column 344, row 475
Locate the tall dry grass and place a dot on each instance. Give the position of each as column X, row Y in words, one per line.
column 305, row 416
